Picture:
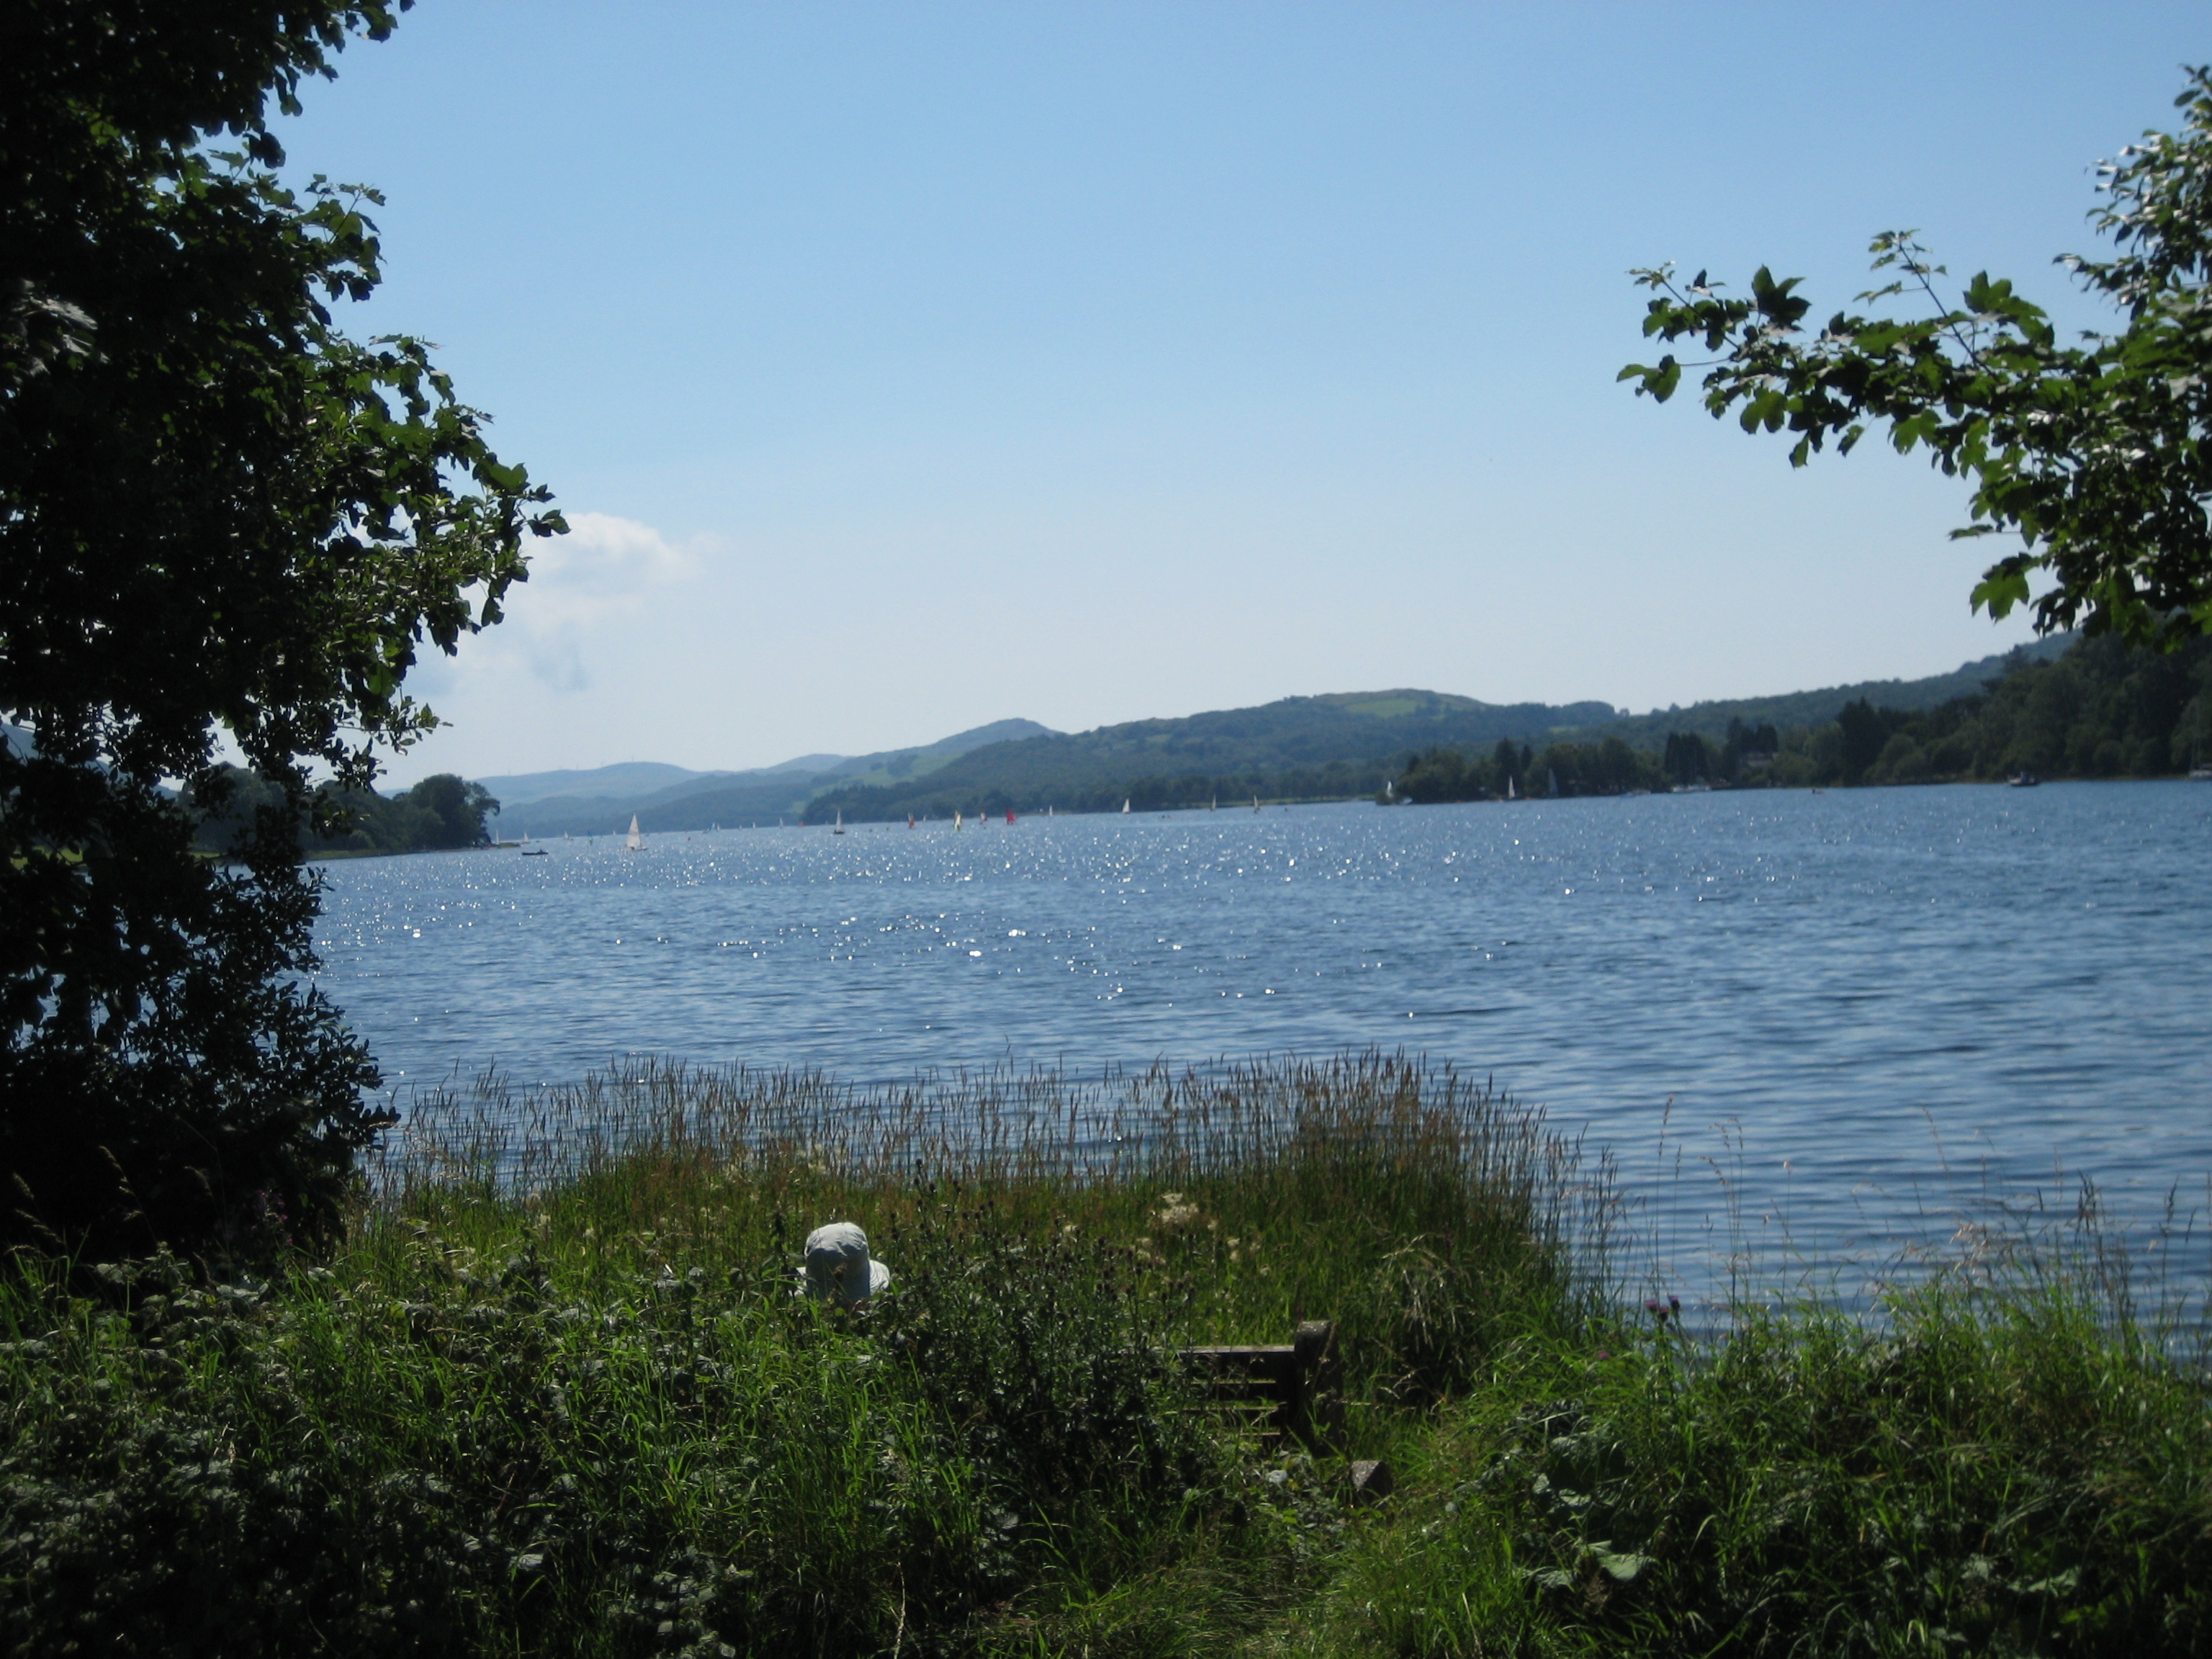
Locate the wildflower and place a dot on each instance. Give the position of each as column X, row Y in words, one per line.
column 1173, row 1213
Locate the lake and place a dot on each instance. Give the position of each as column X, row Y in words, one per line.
column 1815, row 1024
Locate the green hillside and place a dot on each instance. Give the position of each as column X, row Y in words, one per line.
column 1327, row 747
column 1791, row 708
column 1336, row 746
column 700, row 800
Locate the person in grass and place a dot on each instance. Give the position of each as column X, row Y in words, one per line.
column 838, row 1266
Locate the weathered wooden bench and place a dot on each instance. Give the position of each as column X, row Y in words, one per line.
column 1294, row 1388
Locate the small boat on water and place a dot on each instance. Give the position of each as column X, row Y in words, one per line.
column 1010, row 815
column 2024, row 781
column 1125, row 803
column 535, row 852
column 840, row 829
column 635, row 839
column 2200, row 774
column 956, row 819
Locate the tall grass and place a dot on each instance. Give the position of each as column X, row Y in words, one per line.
column 558, row 1396
column 1411, row 1205
column 2009, row 1453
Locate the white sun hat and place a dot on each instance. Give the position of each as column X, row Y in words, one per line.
column 837, row 1264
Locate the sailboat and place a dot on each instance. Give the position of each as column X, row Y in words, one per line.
column 1508, row 786
column 1010, row 815
column 956, row 819
column 1048, row 811
column 1213, row 806
column 1125, row 803
column 636, row 837
column 1256, row 803
column 910, row 820
column 840, row 829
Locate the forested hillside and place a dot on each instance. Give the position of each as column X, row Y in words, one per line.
column 1322, row 748
column 702, row 800
column 2059, row 709
column 2105, row 709
column 1711, row 720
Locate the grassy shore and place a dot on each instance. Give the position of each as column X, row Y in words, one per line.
column 557, row 1396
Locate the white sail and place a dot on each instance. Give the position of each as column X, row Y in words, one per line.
column 1125, row 803
column 636, row 838
column 840, row 829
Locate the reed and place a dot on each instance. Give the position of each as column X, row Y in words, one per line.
column 2010, row 1454
column 1397, row 1197
column 557, row 1395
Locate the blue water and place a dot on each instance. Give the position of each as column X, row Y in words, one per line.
column 1829, row 1018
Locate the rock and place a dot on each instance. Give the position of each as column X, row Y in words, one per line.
column 1371, row 1481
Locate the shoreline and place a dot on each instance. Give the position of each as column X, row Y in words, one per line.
column 555, row 1393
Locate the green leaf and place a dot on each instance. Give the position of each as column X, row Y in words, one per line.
column 1999, row 592
column 1622, row 1566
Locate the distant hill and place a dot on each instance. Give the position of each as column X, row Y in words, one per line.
column 671, row 799
column 1333, row 746
column 1818, row 708
column 1305, row 748
column 626, row 777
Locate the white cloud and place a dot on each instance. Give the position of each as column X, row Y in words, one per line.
column 600, row 574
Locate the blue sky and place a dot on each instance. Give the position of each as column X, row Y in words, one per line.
column 906, row 368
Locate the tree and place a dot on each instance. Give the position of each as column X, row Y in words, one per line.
column 217, row 513
column 457, row 807
column 1686, row 759
column 2093, row 455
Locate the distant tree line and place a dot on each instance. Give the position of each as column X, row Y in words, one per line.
column 1147, row 793
column 2103, row 710
column 441, row 813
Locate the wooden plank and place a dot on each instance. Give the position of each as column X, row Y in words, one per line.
column 1293, row 1388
